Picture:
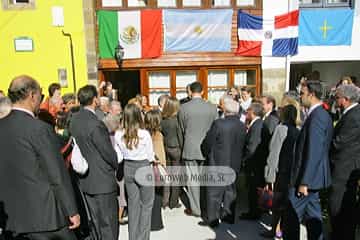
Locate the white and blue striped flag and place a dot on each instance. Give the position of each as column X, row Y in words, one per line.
column 197, row 30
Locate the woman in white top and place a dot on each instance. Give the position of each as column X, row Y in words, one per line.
column 136, row 148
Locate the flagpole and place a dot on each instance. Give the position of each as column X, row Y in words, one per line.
column 287, row 64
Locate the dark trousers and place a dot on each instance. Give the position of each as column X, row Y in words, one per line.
column 344, row 210
column 104, row 212
column 62, row 234
column 303, row 209
column 172, row 193
column 220, row 202
column 254, row 182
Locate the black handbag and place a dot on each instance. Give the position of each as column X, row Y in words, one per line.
column 120, row 171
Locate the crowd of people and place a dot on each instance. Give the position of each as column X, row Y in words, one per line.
column 69, row 162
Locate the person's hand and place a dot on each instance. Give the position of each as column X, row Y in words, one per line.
column 102, row 84
column 303, row 190
column 74, row 221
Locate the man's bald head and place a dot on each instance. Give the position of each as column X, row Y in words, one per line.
column 21, row 87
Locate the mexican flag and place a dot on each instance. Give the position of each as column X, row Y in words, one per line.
column 138, row 32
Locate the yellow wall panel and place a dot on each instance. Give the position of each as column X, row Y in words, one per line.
column 51, row 48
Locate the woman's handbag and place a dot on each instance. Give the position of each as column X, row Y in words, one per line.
column 160, row 175
column 265, row 198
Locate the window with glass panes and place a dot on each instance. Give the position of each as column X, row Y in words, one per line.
column 325, row 3
column 159, row 84
column 216, row 81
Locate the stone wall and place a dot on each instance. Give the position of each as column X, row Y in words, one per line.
column 90, row 40
column 273, row 82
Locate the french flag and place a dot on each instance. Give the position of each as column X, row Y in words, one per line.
column 268, row 37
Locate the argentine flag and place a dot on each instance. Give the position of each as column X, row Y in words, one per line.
column 197, row 30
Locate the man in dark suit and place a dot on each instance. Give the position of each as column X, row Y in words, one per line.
column 310, row 171
column 345, row 159
column 36, row 193
column 223, row 146
column 99, row 183
column 271, row 118
column 188, row 97
column 195, row 118
column 256, row 151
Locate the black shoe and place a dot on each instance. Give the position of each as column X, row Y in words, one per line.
column 125, row 212
column 189, row 212
column 229, row 219
column 250, row 216
column 212, row 224
column 268, row 234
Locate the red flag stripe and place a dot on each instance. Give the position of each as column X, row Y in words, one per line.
column 151, row 33
column 249, row 48
column 286, row 20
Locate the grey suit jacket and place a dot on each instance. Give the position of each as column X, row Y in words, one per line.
column 195, row 119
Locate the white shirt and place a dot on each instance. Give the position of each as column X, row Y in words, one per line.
column 350, row 107
column 246, row 104
column 144, row 150
column 312, row 108
column 90, row 109
column 24, row 110
column 266, row 115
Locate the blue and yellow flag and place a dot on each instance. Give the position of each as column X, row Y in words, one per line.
column 325, row 27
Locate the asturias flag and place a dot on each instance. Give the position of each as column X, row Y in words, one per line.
column 326, row 27
column 268, row 37
column 197, row 30
column 139, row 33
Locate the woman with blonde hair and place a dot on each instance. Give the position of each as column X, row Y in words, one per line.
column 136, row 147
column 287, row 100
column 170, row 128
column 278, row 161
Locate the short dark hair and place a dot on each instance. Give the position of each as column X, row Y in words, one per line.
column 257, row 108
column 68, row 98
column 52, row 88
column 87, row 94
column 246, row 89
column 271, row 99
column 61, row 120
column 196, row 87
column 315, row 88
column 46, row 117
column 20, row 88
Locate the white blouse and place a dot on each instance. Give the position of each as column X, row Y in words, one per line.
column 144, row 150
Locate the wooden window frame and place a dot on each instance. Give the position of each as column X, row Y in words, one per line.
column 9, row 5
column 202, row 76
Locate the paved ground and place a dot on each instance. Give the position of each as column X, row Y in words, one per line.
column 178, row 226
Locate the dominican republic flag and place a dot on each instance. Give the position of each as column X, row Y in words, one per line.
column 138, row 32
column 268, row 37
